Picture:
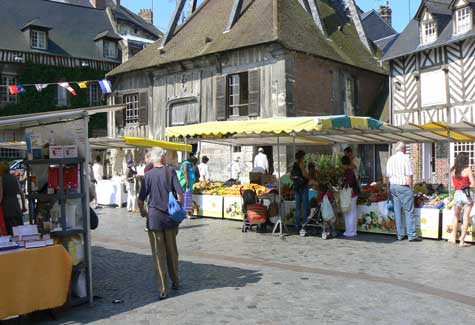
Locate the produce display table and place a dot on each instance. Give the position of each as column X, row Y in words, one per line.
column 111, row 192
column 34, row 279
column 210, row 206
column 447, row 228
column 232, row 208
column 374, row 218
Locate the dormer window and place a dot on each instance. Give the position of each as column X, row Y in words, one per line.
column 38, row 39
column 428, row 28
column 463, row 20
column 110, row 49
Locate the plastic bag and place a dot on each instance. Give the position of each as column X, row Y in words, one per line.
column 327, row 209
column 345, row 199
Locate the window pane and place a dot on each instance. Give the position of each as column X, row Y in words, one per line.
column 132, row 111
column 433, row 90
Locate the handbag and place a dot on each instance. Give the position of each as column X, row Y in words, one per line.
column 345, row 199
column 175, row 209
column 327, row 209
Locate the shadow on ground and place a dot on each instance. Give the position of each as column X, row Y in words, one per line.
column 129, row 277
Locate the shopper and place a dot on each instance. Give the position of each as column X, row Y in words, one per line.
column 299, row 177
column 235, row 169
column 400, row 177
column 188, row 170
column 203, row 168
column 162, row 230
column 261, row 163
column 464, row 181
column 355, row 162
column 9, row 190
column 349, row 179
column 131, row 190
column 312, row 176
column 148, row 162
column 98, row 169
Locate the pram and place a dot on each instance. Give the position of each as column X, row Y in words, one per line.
column 255, row 213
column 315, row 219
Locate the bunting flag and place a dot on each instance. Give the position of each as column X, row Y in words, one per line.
column 16, row 89
column 40, row 87
column 82, row 84
column 106, row 86
column 68, row 87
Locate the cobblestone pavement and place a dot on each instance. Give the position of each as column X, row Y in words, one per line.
column 230, row 277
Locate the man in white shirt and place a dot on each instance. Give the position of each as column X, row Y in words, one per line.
column 98, row 169
column 203, row 169
column 261, row 164
column 400, row 177
column 235, row 168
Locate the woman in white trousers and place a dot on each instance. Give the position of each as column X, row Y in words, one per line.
column 349, row 179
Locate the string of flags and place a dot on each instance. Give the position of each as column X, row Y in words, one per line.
column 105, row 85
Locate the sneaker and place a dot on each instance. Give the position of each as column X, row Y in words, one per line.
column 163, row 296
column 401, row 238
column 415, row 239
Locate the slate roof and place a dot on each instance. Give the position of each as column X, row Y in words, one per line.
column 409, row 40
column 73, row 27
column 123, row 13
column 376, row 27
column 261, row 22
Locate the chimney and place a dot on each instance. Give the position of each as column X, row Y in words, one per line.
column 98, row 4
column 146, row 15
column 117, row 3
column 386, row 13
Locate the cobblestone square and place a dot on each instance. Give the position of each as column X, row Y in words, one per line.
column 230, row 277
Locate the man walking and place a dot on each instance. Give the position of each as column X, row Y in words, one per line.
column 162, row 230
column 401, row 180
column 261, row 163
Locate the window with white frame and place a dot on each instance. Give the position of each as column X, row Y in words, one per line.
column 238, row 94
column 5, row 96
column 466, row 147
column 463, row 20
column 38, row 39
column 428, row 31
column 433, row 88
column 110, row 49
column 132, row 109
column 94, row 95
column 62, row 96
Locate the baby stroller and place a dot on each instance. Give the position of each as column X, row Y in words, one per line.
column 255, row 213
column 315, row 219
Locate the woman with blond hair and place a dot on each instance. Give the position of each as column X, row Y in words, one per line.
column 9, row 190
column 463, row 181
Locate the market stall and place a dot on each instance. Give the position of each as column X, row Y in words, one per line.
column 331, row 130
column 50, row 256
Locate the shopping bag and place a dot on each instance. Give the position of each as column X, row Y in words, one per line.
column 175, row 210
column 345, row 199
column 3, row 227
column 327, row 209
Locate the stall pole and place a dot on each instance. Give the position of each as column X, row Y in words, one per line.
column 88, row 223
column 231, row 147
column 448, row 163
column 293, row 144
column 280, row 222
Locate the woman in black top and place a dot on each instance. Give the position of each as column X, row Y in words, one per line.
column 300, row 180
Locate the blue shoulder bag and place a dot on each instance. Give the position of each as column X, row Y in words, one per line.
column 175, row 210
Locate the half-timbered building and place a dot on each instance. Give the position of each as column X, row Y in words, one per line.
column 248, row 59
column 432, row 77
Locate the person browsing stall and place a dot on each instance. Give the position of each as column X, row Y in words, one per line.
column 9, row 190
column 464, row 181
column 400, row 177
column 355, row 161
column 299, row 177
column 349, row 179
column 162, row 229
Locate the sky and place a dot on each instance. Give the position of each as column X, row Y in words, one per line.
column 163, row 10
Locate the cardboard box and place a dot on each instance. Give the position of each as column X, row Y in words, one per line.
column 71, row 151
column 56, row 152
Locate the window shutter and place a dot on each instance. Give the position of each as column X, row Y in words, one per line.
column 221, row 98
column 254, row 93
column 119, row 115
column 143, row 108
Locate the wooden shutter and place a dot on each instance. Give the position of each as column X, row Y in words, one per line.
column 221, row 107
column 254, row 93
column 119, row 115
column 143, row 108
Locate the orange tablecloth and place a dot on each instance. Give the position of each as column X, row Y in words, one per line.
column 33, row 279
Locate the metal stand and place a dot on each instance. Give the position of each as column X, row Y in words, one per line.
column 280, row 223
